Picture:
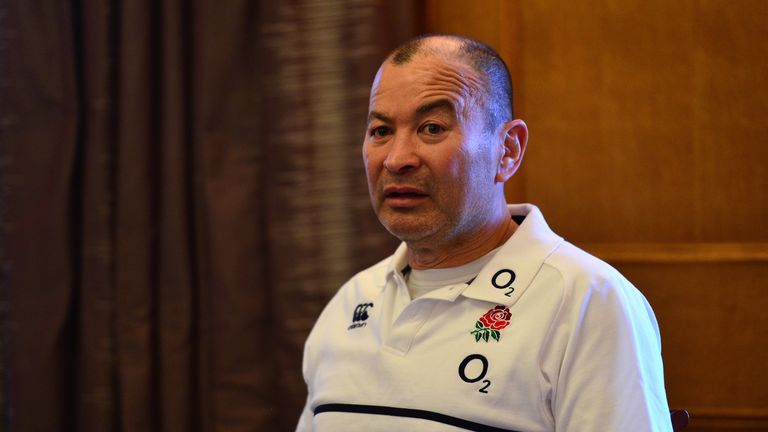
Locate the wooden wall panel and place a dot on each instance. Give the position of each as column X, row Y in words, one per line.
column 649, row 147
column 652, row 114
column 712, row 320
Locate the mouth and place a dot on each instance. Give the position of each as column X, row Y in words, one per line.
column 404, row 196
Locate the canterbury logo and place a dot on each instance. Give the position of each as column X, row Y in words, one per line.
column 360, row 315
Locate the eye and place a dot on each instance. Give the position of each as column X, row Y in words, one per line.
column 432, row 129
column 380, row 131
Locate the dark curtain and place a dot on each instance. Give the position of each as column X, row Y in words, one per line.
column 181, row 191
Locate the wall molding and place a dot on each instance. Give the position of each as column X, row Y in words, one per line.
column 727, row 419
column 729, row 412
column 678, row 252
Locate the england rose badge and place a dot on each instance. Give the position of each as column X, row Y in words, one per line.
column 490, row 324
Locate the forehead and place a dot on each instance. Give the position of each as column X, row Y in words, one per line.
column 423, row 80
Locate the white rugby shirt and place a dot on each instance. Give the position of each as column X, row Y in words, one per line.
column 580, row 350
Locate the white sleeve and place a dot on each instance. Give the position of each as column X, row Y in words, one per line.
column 307, row 415
column 611, row 376
column 305, row 421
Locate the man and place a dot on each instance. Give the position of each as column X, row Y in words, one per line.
column 483, row 319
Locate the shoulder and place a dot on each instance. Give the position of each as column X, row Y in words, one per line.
column 605, row 350
column 595, row 295
column 360, row 288
column 368, row 281
column 578, row 268
column 589, row 284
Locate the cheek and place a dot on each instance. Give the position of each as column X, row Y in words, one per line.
column 481, row 168
column 366, row 153
column 449, row 164
column 461, row 170
column 372, row 163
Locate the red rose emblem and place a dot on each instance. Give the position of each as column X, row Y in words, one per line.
column 496, row 318
column 488, row 326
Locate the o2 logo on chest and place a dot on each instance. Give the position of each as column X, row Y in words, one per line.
column 473, row 369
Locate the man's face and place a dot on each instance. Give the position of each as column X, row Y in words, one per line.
column 430, row 163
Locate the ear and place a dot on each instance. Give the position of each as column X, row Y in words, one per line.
column 515, row 140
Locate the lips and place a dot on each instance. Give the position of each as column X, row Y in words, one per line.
column 404, row 196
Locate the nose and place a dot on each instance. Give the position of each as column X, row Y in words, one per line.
column 402, row 157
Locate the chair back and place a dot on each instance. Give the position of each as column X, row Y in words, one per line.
column 679, row 419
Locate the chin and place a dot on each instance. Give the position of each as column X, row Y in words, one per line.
column 409, row 231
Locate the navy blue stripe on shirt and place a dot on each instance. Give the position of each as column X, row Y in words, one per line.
column 407, row 412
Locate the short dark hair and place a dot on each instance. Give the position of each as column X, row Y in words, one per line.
column 482, row 58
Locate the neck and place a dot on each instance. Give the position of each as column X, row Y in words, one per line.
column 459, row 252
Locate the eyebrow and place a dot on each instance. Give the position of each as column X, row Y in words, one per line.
column 436, row 105
column 420, row 111
column 377, row 115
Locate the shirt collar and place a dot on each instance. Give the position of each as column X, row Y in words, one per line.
column 522, row 256
column 398, row 263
